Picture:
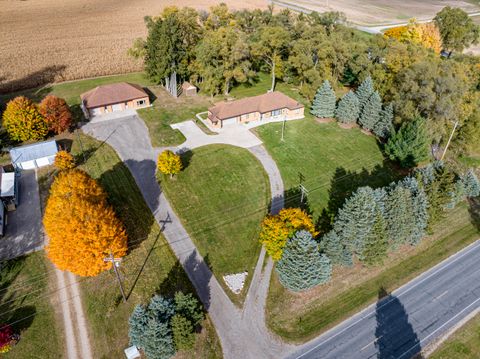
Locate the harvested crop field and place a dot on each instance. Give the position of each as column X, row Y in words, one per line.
column 380, row 12
column 50, row 40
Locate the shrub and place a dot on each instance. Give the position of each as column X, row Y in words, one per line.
column 169, row 163
column 64, row 161
column 276, row 230
column 471, row 184
column 23, row 121
column 302, row 266
column 81, row 226
column 56, row 113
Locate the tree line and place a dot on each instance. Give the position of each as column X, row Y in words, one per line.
column 370, row 224
column 218, row 49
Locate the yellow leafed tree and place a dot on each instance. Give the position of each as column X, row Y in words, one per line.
column 82, row 228
column 277, row 229
column 64, row 160
column 426, row 34
column 169, row 163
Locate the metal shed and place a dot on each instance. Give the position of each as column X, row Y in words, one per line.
column 34, row 156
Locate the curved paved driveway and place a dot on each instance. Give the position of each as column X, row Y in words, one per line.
column 243, row 333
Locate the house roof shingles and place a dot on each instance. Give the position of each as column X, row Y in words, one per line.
column 111, row 94
column 263, row 103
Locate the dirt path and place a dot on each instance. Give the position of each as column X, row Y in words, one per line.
column 75, row 327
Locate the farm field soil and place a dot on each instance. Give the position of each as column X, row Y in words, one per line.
column 221, row 197
column 48, row 40
column 379, row 12
column 299, row 317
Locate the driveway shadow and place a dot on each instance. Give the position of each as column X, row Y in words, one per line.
column 395, row 336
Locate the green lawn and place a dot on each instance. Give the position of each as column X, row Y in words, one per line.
column 221, row 196
column 302, row 317
column 26, row 303
column 463, row 344
column 150, row 266
column 330, row 161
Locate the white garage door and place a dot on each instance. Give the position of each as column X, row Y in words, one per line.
column 28, row 165
column 95, row 111
column 229, row 121
column 117, row 107
column 44, row 161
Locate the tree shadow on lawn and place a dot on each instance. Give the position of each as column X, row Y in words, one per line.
column 135, row 211
column 186, row 156
column 344, row 183
column 18, row 316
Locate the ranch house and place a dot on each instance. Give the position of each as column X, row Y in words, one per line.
column 272, row 106
column 113, row 98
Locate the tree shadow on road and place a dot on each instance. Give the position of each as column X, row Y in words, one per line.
column 395, row 336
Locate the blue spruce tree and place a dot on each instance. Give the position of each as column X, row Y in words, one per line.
column 302, row 266
column 335, row 250
column 399, row 214
column 364, row 91
column 158, row 340
column 138, row 324
column 370, row 114
column 348, row 108
column 419, row 210
column 384, row 127
column 323, row 105
column 471, row 184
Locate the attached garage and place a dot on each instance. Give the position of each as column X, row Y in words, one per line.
column 229, row 121
column 113, row 98
column 34, row 156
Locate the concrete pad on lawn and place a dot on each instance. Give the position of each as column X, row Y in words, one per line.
column 234, row 135
column 24, row 231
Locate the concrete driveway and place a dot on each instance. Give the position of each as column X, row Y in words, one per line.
column 24, row 231
column 235, row 135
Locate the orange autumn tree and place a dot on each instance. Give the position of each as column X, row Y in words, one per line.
column 426, row 34
column 81, row 226
column 277, row 229
column 56, row 113
column 64, row 160
column 169, row 163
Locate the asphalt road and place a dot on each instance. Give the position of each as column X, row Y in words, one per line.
column 405, row 321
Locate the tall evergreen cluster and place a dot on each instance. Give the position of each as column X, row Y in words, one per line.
column 365, row 107
column 165, row 325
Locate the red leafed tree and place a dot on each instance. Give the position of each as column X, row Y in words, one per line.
column 56, row 113
column 6, row 335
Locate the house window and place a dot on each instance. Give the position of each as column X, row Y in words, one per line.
column 276, row 112
column 246, row 116
column 140, row 102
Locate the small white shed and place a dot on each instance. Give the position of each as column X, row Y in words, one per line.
column 34, row 156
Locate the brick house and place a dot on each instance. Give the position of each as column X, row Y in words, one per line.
column 112, row 98
column 272, row 106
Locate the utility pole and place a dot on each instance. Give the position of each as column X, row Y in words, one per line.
column 116, row 263
column 304, row 193
column 450, row 139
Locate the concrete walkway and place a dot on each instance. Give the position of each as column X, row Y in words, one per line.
column 243, row 333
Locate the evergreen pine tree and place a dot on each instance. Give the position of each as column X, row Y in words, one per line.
column 419, row 203
column 410, row 145
column 138, row 323
column 302, row 266
column 162, row 308
column 375, row 243
column 356, row 219
column 384, row 127
column 333, row 248
column 158, row 342
column 188, row 306
column 183, row 332
column 399, row 214
column 370, row 114
column 364, row 91
column 323, row 105
column 471, row 184
column 348, row 108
